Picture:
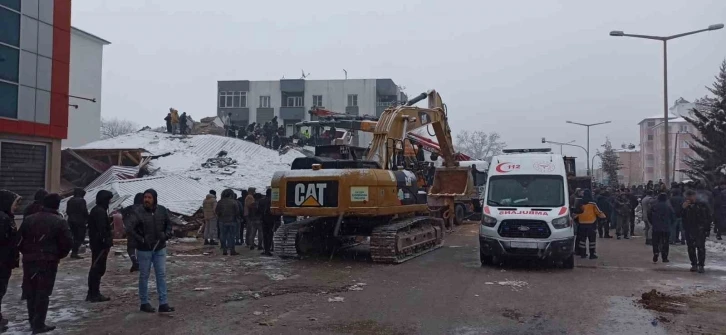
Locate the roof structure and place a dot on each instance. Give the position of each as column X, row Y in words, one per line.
column 114, row 173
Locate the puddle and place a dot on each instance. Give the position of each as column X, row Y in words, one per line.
column 623, row 316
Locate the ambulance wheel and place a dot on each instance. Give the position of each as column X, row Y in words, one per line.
column 486, row 259
column 569, row 262
column 459, row 212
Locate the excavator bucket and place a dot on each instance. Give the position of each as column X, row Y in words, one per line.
column 449, row 183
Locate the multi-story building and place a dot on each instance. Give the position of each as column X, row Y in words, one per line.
column 630, row 172
column 245, row 101
column 652, row 137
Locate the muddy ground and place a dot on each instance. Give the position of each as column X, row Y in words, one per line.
column 442, row 292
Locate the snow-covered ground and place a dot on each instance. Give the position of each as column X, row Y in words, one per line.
column 255, row 164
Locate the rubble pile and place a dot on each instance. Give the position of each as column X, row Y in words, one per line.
column 219, row 162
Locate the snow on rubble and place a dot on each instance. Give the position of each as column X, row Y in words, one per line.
column 185, row 168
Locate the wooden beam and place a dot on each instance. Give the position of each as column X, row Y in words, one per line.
column 131, row 157
column 120, row 157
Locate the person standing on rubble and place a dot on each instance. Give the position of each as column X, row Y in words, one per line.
column 227, row 212
column 77, row 211
column 150, row 226
column 100, row 236
column 130, row 242
column 183, row 124
column 210, row 218
column 9, row 203
column 174, row 120
column 268, row 222
column 168, row 122
column 37, row 204
column 45, row 239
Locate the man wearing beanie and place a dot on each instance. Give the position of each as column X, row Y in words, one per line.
column 45, row 239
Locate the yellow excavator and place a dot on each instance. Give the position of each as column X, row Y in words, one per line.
column 376, row 197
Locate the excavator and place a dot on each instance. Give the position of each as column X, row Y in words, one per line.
column 375, row 197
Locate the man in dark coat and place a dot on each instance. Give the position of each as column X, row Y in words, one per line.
column 661, row 216
column 9, row 203
column 168, row 123
column 37, row 204
column 77, row 211
column 228, row 215
column 719, row 210
column 150, row 226
column 100, row 235
column 676, row 200
column 183, row 124
column 633, row 198
column 605, row 203
column 268, row 222
column 130, row 242
column 45, row 239
column 697, row 226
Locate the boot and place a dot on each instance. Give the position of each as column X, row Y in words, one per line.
column 43, row 329
column 76, row 256
column 97, row 298
column 694, row 268
column 626, row 237
column 619, row 237
column 213, row 242
column 593, row 256
column 206, row 242
column 655, row 258
column 147, row 308
column 648, row 242
column 165, row 308
column 701, row 269
column 665, row 259
column 232, row 253
column 224, row 253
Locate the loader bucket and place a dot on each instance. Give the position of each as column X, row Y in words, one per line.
column 449, row 183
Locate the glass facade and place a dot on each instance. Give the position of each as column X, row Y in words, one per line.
column 9, row 57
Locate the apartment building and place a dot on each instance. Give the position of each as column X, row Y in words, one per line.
column 630, row 172
column 652, row 137
column 245, row 101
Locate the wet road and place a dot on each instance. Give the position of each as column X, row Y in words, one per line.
column 442, row 292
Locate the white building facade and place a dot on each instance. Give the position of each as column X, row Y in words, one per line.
column 245, row 101
column 86, row 78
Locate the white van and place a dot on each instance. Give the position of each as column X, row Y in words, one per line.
column 525, row 209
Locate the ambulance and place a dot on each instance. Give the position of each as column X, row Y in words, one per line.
column 525, row 209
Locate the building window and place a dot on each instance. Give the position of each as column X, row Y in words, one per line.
column 684, row 128
column 294, row 102
column 317, row 101
column 232, row 99
column 352, row 100
column 22, row 168
column 8, row 100
column 650, row 137
column 264, row 101
column 684, row 145
column 9, row 63
column 9, row 26
column 651, row 124
column 12, row 4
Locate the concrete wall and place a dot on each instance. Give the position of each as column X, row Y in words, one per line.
column 335, row 98
column 86, row 79
column 269, row 88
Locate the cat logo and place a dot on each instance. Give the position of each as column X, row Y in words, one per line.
column 310, row 195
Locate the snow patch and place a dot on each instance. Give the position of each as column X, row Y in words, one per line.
column 715, row 247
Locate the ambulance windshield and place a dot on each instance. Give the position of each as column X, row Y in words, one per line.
column 526, row 191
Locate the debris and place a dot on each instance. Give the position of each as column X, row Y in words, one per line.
column 258, row 313
column 661, row 302
column 654, row 322
column 515, row 284
column 357, row 287
column 219, row 162
column 488, row 283
column 312, row 319
column 266, row 323
column 336, row 299
column 201, row 288
column 476, row 295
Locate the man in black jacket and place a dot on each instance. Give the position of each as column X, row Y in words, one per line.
column 100, row 235
column 44, row 240
column 150, row 226
column 697, row 225
column 37, row 204
column 661, row 217
column 633, row 198
column 605, row 203
column 130, row 241
column 9, row 203
column 77, row 211
column 268, row 222
column 676, row 201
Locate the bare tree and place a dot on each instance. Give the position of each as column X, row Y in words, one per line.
column 114, row 127
column 479, row 145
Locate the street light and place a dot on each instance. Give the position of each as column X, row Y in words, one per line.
column 665, row 39
column 588, row 138
column 566, row 143
column 544, row 140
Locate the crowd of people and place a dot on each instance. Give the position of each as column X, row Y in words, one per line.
column 683, row 214
column 45, row 237
column 269, row 134
column 178, row 124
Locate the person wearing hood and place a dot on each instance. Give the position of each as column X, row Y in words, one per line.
column 210, row 218
column 696, row 226
column 9, row 203
column 45, row 239
column 100, row 235
column 228, row 214
column 168, row 122
column 77, row 212
column 130, row 242
column 661, row 217
column 587, row 217
column 605, row 203
column 183, row 124
column 645, row 204
column 37, row 204
column 150, row 226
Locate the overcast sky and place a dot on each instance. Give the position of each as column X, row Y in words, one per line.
column 517, row 67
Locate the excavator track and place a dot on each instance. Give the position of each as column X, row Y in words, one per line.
column 405, row 239
column 286, row 237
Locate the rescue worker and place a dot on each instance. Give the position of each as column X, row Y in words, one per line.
column 587, row 216
column 9, row 205
column 645, row 204
column 210, row 218
column 100, row 236
column 151, row 228
column 661, row 217
column 227, row 212
column 697, row 226
column 174, row 120
column 37, row 204
column 268, row 222
column 605, row 203
column 77, row 212
column 45, row 239
column 623, row 210
column 130, row 241
column 168, row 122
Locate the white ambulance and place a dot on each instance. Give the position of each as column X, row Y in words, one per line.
column 525, row 209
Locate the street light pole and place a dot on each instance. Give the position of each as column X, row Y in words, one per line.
column 544, row 140
column 588, row 138
column 573, row 141
column 665, row 39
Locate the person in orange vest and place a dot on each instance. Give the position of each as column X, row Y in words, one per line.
column 174, row 120
column 587, row 215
